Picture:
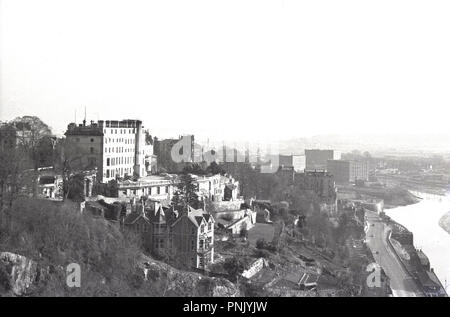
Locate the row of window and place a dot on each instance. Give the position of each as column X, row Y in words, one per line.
column 119, row 131
column 150, row 191
column 119, row 140
column 118, row 149
column 120, row 172
column 119, row 160
column 78, row 140
column 202, row 227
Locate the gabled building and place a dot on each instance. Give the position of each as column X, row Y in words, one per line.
column 188, row 236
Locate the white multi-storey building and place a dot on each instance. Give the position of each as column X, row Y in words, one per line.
column 116, row 148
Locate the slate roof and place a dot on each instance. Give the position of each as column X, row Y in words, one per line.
column 133, row 217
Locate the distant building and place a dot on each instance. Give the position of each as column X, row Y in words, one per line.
column 286, row 175
column 153, row 186
column 317, row 159
column 217, row 187
column 50, row 184
column 163, row 152
column 118, row 149
column 322, row 184
column 298, row 162
column 346, row 171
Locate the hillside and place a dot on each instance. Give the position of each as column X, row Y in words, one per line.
column 38, row 239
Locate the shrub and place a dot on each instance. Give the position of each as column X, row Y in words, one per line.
column 57, row 234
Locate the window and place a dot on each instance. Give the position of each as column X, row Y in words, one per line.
column 202, row 228
column 192, row 245
column 107, row 173
column 92, row 140
column 158, row 190
column 209, row 226
column 92, row 150
column 108, row 161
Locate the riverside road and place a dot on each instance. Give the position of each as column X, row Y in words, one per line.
column 402, row 284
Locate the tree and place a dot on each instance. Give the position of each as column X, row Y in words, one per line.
column 68, row 162
column 186, row 193
column 234, row 266
column 30, row 133
column 215, row 168
column 12, row 164
column 194, row 168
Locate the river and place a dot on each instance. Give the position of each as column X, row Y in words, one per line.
column 422, row 219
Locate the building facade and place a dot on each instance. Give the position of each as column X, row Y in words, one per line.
column 154, row 187
column 317, row 159
column 346, row 171
column 118, row 149
column 188, row 236
column 298, row 162
column 323, row 185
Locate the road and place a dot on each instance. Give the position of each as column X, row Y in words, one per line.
column 402, row 284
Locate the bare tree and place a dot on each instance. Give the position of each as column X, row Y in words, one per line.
column 30, row 132
column 12, row 163
column 68, row 162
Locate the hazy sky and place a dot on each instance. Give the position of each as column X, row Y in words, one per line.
column 230, row 69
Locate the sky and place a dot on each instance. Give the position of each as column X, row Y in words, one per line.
column 230, row 69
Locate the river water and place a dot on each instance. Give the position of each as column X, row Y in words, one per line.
column 422, row 219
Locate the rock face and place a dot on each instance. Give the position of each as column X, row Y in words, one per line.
column 177, row 283
column 18, row 273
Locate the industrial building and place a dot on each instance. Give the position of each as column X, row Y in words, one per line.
column 348, row 171
column 298, row 162
column 317, row 159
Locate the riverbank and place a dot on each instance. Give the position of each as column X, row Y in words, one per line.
column 425, row 220
column 444, row 222
column 392, row 196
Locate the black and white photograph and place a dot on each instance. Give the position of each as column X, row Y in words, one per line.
column 216, row 155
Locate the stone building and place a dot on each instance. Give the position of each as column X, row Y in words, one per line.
column 323, row 185
column 118, row 149
column 187, row 237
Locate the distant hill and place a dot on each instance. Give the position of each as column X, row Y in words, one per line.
column 383, row 143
